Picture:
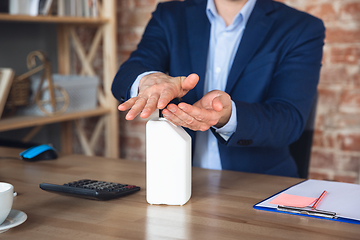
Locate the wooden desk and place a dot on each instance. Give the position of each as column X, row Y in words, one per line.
column 220, row 207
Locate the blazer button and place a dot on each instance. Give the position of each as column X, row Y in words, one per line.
column 241, row 142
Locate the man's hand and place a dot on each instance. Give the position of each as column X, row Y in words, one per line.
column 214, row 109
column 156, row 90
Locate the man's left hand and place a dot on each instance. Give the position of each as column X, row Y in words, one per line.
column 213, row 109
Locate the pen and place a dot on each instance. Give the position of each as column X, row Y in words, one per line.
column 319, row 199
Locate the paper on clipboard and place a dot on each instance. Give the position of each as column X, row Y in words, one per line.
column 342, row 198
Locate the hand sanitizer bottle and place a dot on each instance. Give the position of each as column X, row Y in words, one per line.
column 168, row 163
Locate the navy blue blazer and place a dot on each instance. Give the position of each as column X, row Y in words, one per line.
column 273, row 79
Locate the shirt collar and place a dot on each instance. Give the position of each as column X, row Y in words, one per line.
column 211, row 11
column 245, row 11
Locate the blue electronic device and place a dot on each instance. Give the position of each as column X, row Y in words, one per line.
column 40, row 152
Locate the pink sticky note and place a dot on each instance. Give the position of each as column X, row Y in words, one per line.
column 292, row 200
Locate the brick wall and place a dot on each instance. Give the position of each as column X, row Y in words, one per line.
column 336, row 147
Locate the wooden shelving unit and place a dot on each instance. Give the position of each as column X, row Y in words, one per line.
column 105, row 26
column 54, row 19
column 32, row 121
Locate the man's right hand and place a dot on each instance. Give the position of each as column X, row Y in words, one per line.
column 156, row 90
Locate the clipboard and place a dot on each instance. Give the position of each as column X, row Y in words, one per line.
column 342, row 202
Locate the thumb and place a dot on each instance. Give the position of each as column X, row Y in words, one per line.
column 189, row 82
column 217, row 104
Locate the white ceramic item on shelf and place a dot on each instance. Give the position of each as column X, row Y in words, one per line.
column 168, row 163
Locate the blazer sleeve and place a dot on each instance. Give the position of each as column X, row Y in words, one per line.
column 281, row 118
column 152, row 54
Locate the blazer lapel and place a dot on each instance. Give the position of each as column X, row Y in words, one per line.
column 256, row 30
column 198, row 36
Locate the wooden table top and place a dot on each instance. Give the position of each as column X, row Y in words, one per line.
column 221, row 206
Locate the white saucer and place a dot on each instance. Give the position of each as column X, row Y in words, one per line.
column 14, row 219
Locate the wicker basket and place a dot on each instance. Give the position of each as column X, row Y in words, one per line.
column 19, row 94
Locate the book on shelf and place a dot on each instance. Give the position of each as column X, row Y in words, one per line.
column 24, row 7
column 45, row 7
column 74, row 8
column 78, row 8
column 30, row 7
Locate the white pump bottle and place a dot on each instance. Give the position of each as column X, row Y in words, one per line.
column 168, row 163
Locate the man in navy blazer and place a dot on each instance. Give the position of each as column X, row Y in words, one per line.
column 272, row 81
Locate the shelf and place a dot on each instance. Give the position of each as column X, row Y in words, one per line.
column 53, row 19
column 16, row 122
column 68, row 44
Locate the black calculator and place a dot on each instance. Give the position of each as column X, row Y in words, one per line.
column 92, row 189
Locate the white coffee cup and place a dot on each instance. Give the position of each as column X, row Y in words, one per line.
column 6, row 200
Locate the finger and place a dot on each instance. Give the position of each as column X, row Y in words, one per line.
column 150, row 106
column 195, row 112
column 226, row 110
column 165, row 98
column 206, row 117
column 181, row 118
column 177, row 121
column 127, row 105
column 184, row 117
column 189, row 83
column 217, row 104
column 136, row 108
column 171, row 117
column 175, row 115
